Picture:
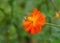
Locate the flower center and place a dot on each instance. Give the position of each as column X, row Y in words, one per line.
column 31, row 19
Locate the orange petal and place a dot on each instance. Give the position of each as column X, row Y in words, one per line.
column 34, row 12
column 38, row 29
column 26, row 23
column 31, row 15
column 38, row 13
column 28, row 28
column 32, row 31
column 41, row 20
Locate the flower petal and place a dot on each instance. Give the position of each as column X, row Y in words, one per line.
column 28, row 28
column 34, row 12
column 26, row 23
column 38, row 29
column 32, row 31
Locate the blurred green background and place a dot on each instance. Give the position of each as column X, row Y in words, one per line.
column 12, row 14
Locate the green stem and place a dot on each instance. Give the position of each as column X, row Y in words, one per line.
column 52, row 24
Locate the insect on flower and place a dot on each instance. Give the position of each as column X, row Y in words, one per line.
column 34, row 22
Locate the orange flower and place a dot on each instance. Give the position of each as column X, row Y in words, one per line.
column 57, row 15
column 34, row 22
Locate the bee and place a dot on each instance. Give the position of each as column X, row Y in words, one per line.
column 27, row 18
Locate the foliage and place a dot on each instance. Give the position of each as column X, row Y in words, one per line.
column 12, row 14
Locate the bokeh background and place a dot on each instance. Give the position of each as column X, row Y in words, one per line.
column 12, row 14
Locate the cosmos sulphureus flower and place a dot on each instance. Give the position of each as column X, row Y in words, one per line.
column 34, row 22
column 57, row 15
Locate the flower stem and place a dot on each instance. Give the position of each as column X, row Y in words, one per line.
column 52, row 24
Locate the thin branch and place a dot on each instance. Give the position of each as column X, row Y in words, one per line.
column 52, row 24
